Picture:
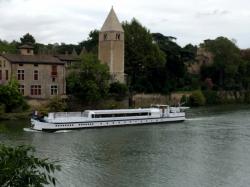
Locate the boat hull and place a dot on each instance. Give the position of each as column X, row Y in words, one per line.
column 52, row 127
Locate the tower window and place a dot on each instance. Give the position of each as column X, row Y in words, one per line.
column 105, row 36
column 118, row 36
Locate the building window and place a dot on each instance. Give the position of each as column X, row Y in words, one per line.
column 35, row 75
column 54, row 90
column 20, row 64
column 36, row 65
column 6, row 74
column 0, row 74
column 21, row 89
column 53, row 79
column 20, row 74
column 35, row 90
column 54, row 71
column 118, row 36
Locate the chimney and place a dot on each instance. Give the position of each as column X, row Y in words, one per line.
column 26, row 50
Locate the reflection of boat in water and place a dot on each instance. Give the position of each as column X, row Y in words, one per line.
column 106, row 118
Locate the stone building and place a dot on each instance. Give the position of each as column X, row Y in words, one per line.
column 111, row 46
column 203, row 58
column 39, row 76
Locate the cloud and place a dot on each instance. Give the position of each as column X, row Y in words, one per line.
column 212, row 13
column 66, row 21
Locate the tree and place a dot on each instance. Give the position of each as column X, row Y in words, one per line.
column 91, row 44
column 11, row 97
column 227, row 59
column 19, row 167
column 118, row 90
column 28, row 39
column 174, row 75
column 6, row 47
column 144, row 60
column 89, row 79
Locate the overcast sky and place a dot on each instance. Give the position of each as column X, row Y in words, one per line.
column 70, row 21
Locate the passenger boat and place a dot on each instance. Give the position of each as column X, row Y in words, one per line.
column 107, row 118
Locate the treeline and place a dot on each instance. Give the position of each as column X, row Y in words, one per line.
column 155, row 63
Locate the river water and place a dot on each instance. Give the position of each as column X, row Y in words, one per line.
column 211, row 148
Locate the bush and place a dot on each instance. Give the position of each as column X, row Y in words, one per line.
column 118, row 90
column 56, row 104
column 247, row 97
column 212, row 97
column 197, row 99
column 11, row 97
column 19, row 167
column 184, row 100
column 2, row 108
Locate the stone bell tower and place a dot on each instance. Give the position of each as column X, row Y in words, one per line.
column 111, row 47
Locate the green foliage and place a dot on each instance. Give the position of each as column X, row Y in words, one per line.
column 6, row 47
column 27, row 39
column 212, row 97
column 119, row 90
column 11, row 97
column 247, row 97
column 174, row 74
column 91, row 44
column 57, row 104
column 184, row 100
column 144, row 60
column 2, row 109
column 19, row 167
column 227, row 59
column 89, row 79
column 197, row 99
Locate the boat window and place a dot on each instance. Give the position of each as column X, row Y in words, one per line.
column 121, row 115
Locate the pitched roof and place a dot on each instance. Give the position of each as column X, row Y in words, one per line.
column 26, row 46
column 32, row 59
column 112, row 23
column 67, row 57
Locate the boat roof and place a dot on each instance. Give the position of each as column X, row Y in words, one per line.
column 120, row 111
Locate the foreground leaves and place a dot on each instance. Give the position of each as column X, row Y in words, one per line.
column 19, row 167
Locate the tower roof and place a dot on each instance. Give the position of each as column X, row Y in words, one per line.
column 112, row 23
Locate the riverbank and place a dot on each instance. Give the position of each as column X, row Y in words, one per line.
column 15, row 116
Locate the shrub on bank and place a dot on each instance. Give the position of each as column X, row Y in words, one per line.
column 247, row 97
column 56, row 104
column 212, row 97
column 11, row 98
column 2, row 109
column 118, row 90
column 197, row 99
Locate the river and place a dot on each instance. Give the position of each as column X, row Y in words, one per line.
column 211, row 148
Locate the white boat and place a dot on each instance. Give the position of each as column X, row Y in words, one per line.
column 107, row 118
